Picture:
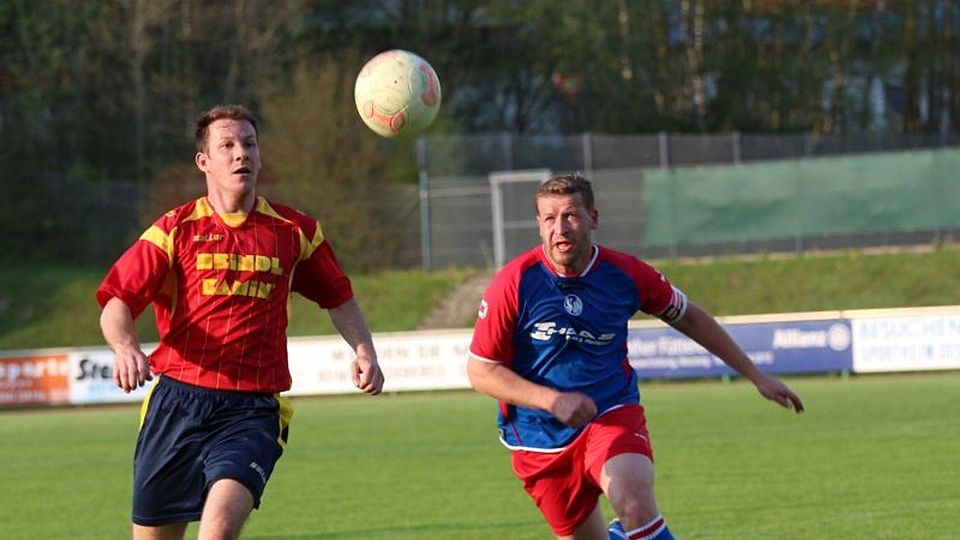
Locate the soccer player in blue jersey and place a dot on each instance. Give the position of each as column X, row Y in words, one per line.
column 550, row 343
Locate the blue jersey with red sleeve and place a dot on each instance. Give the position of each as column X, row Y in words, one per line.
column 568, row 333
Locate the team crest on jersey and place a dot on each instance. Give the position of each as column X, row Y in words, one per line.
column 573, row 305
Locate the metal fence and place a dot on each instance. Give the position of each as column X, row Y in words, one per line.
column 69, row 221
column 459, row 209
column 451, row 222
column 74, row 221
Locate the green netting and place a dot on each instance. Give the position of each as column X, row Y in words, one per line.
column 899, row 192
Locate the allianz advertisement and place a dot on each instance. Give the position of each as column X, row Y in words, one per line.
column 776, row 347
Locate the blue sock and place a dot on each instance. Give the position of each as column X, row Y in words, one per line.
column 615, row 530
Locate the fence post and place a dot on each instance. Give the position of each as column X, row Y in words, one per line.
column 586, row 143
column 664, row 150
column 506, row 140
column 664, row 139
column 499, row 235
column 426, row 254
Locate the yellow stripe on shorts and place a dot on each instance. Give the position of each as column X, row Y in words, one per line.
column 285, row 412
column 146, row 402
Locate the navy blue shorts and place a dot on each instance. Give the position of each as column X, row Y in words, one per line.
column 190, row 437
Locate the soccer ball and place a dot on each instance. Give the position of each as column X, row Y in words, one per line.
column 397, row 93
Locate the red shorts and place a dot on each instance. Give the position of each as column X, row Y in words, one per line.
column 566, row 485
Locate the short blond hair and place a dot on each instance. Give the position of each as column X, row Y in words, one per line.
column 567, row 184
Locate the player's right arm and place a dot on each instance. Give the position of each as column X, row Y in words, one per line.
column 490, row 368
column 131, row 284
column 130, row 367
column 500, row 382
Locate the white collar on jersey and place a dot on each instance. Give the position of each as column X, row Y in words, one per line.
column 586, row 269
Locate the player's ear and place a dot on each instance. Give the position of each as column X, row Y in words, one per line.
column 594, row 218
column 201, row 161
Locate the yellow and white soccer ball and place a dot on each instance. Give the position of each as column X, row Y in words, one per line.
column 397, row 93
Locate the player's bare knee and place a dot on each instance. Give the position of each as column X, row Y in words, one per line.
column 635, row 510
column 219, row 529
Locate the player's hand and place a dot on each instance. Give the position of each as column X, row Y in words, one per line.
column 367, row 375
column 574, row 409
column 131, row 370
column 774, row 390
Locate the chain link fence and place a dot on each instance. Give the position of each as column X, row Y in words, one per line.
column 71, row 221
column 462, row 218
column 449, row 221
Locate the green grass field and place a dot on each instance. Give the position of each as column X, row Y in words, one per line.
column 874, row 457
column 55, row 307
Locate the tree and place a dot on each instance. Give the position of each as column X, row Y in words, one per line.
column 319, row 156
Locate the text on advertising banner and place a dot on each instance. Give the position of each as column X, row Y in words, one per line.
column 34, row 379
column 780, row 347
column 906, row 343
column 91, row 379
column 410, row 361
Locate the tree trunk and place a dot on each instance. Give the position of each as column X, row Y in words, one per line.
column 230, row 90
column 138, row 44
column 951, row 65
column 911, row 81
column 692, row 12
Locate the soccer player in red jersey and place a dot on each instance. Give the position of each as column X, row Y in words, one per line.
column 218, row 271
column 550, row 343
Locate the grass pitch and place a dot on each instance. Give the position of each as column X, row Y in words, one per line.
column 873, row 457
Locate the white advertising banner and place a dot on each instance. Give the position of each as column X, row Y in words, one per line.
column 91, row 379
column 911, row 339
column 410, row 361
column 907, row 342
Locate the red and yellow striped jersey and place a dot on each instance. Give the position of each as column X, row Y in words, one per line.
column 220, row 287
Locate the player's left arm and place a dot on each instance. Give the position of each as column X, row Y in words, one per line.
column 349, row 320
column 703, row 328
column 320, row 278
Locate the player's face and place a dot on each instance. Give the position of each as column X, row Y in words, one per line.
column 566, row 230
column 231, row 160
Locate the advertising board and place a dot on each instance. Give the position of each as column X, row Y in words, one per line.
column 34, row 378
column 907, row 342
column 776, row 347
